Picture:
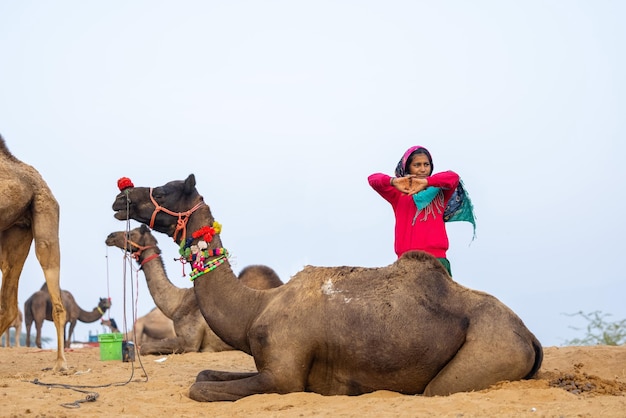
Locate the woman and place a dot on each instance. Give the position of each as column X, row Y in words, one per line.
column 418, row 198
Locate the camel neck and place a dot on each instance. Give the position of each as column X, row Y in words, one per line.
column 221, row 296
column 166, row 295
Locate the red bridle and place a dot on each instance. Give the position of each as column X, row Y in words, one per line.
column 183, row 217
column 141, row 249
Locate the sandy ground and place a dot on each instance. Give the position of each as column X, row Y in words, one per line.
column 573, row 382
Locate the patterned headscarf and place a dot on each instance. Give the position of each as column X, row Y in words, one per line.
column 430, row 200
column 401, row 168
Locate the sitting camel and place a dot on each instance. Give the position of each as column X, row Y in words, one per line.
column 192, row 331
column 17, row 324
column 153, row 326
column 28, row 212
column 39, row 307
column 407, row 327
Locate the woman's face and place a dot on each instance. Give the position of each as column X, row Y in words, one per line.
column 420, row 166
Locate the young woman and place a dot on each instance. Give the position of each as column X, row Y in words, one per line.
column 418, row 198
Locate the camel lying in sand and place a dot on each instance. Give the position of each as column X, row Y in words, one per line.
column 153, row 326
column 407, row 327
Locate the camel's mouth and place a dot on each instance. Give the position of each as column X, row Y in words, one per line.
column 120, row 207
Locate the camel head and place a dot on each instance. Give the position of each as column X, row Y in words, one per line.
column 159, row 207
column 104, row 304
column 133, row 241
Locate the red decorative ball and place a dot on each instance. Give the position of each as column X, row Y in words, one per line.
column 124, row 183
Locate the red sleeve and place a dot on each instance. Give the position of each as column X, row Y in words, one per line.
column 447, row 181
column 382, row 184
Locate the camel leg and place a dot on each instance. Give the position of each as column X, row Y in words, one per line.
column 38, row 325
column 28, row 333
column 220, row 376
column 70, row 332
column 17, row 336
column 46, row 235
column 12, row 259
column 474, row 367
column 232, row 390
column 165, row 346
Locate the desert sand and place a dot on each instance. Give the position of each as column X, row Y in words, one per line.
column 573, row 382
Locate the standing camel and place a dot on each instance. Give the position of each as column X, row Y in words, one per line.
column 192, row 332
column 407, row 327
column 38, row 308
column 17, row 324
column 28, row 212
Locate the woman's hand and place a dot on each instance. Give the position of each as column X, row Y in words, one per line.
column 409, row 184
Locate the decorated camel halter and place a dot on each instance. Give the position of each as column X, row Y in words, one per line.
column 183, row 217
column 198, row 254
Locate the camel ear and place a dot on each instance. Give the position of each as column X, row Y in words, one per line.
column 190, row 184
column 144, row 229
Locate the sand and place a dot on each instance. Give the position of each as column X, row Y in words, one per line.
column 573, row 382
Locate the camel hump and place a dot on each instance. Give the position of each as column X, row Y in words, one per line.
column 5, row 150
column 420, row 257
column 260, row 277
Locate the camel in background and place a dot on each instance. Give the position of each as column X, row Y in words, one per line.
column 28, row 212
column 153, row 326
column 38, row 307
column 17, row 324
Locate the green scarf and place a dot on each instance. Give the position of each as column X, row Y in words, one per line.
column 459, row 207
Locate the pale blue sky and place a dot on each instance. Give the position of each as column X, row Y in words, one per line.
column 283, row 108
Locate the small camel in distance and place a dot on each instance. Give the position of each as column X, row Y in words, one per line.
column 17, row 324
column 153, row 326
column 406, row 327
column 38, row 308
column 192, row 333
column 28, row 212
column 150, row 329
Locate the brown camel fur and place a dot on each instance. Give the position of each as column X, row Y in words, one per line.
column 28, row 212
column 17, row 324
column 192, row 331
column 38, row 308
column 407, row 327
column 150, row 329
column 153, row 326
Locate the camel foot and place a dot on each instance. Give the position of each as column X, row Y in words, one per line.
column 234, row 386
column 199, row 393
column 60, row 367
column 221, row 376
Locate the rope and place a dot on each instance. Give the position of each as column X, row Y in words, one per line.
column 91, row 395
column 183, row 217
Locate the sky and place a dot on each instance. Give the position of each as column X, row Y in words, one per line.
column 281, row 109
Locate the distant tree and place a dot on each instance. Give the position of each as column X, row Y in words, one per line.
column 599, row 331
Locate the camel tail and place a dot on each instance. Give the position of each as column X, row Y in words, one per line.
column 538, row 359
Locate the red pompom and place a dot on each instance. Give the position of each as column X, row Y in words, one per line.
column 124, row 183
